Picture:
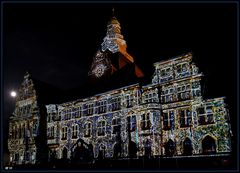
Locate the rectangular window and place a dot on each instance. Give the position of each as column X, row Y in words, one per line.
column 209, row 111
column 116, row 103
column 151, row 97
column 185, row 118
column 64, row 133
column 129, row 101
column 205, row 117
column 90, row 109
column 116, row 125
column 73, row 112
column 78, row 112
column 102, row 107
column 168, row 120
column 166, row 124
column 101, row 128
column 85, row 110
column 74, row 131
column 67, row 114
column 132, row 123
column 145, row 122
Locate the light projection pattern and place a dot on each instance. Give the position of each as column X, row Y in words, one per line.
column 173, row 101
column 24, row 124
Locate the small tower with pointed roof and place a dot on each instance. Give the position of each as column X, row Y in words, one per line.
column 114, row 51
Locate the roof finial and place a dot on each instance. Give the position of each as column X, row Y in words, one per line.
column 112, row 12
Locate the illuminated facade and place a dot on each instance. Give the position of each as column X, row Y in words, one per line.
column 167, row 117
column 27, row 139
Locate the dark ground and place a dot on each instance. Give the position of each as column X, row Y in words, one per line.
column 154, row 164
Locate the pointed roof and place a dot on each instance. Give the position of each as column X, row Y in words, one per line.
column 115, row 43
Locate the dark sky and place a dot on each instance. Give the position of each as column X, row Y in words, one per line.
column 56, row 42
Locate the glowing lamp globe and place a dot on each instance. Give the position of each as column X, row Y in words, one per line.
column 13, row 94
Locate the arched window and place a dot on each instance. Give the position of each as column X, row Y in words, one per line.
column 75, row 131
column 87, row 129
column 187, row 147
column 208, row 145
column 170, row 148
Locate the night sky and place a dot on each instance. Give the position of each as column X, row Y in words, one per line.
column 56, row 42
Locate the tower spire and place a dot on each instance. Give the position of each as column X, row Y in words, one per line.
column 113, row 12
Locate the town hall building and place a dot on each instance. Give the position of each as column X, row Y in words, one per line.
column 165, row 118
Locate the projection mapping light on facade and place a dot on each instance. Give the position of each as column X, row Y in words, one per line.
column 166, row 118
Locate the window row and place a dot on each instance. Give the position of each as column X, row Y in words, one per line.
column 22, row 132
column 185, row 118
column 100, row 107
column 208, row 146
column 150, row 97
column 25, row 110
column 176, row 97
column 101, row 127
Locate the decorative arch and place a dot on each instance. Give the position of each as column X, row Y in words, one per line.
column 170, row 148
column 148, row 148
column 117, row 149
column 101, row 151
column 208, row 145
column 187, row 146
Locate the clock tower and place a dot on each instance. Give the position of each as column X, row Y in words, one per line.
column 112, row 56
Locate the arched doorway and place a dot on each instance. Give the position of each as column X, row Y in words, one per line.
column 208, row 145
column 133, row 149
column 117, row 149
column 170, row 148
column 148, row 148
column 64, row 153
column 187, row 147
column 101, row 152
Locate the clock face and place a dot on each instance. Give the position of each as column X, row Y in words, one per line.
column 99, row 70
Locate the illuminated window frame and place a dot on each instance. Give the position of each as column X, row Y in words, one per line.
column 205, row 117
column 87, row 129
column 75, row 131
column 185, row 117
column 116, row 124
column 102, row 106
column 101, row 128
column 145, row 121
column 116, row 103
column 132, row 123
column 168, row 120
column 64, row 132
column 129, row 100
